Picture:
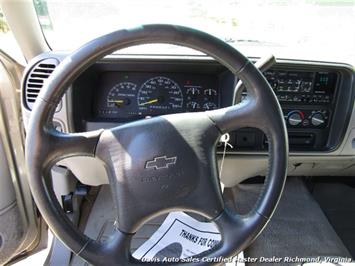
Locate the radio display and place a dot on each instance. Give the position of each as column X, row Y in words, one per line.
column 303, row 87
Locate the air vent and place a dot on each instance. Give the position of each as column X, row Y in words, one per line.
column 36, row 78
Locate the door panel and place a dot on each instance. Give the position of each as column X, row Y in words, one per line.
column 11, row 225
column 7, row 196
column 20, row 225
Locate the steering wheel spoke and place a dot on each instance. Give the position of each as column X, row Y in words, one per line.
column 62, row 145
column 236, row 230
column 244, row 114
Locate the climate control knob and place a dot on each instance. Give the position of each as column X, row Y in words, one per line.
column 295, row 118
column 317, row 119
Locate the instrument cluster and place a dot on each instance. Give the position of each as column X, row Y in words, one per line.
column 134, row 95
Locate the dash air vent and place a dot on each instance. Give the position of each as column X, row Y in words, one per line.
column 36, row 78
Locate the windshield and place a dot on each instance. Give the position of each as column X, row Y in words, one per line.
column 295, row 29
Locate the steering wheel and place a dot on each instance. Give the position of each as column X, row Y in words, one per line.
column 161, row 164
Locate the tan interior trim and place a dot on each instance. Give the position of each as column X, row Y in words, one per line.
column 22, row 19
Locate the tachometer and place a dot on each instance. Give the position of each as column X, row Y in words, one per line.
column 121, row 95
column 160, row 94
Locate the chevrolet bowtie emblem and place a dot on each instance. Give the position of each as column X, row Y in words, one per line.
column 160, row 162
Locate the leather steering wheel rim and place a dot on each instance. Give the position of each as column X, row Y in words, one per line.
column 197, row 134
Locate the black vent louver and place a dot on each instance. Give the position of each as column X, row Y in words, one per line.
column 36, row 78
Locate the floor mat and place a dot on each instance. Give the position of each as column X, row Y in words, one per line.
column 101, row 220
column 298, row 228
column 338, row 203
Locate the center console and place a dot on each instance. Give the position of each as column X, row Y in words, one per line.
column 308, row 99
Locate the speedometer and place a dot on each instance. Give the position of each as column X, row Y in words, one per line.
column 160, row 94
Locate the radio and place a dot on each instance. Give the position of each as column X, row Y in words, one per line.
column 302, row 87
column 307, row 99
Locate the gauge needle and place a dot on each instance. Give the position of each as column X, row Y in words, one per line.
column 116, row 101
column 150, row 102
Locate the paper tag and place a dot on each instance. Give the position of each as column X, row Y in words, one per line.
column 180, row 236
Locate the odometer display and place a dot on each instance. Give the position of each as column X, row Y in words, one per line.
column 160, row 95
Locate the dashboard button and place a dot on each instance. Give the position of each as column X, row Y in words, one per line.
column 305, row 122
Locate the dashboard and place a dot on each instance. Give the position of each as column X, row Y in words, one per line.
column 317, row 99
column 124, row 96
